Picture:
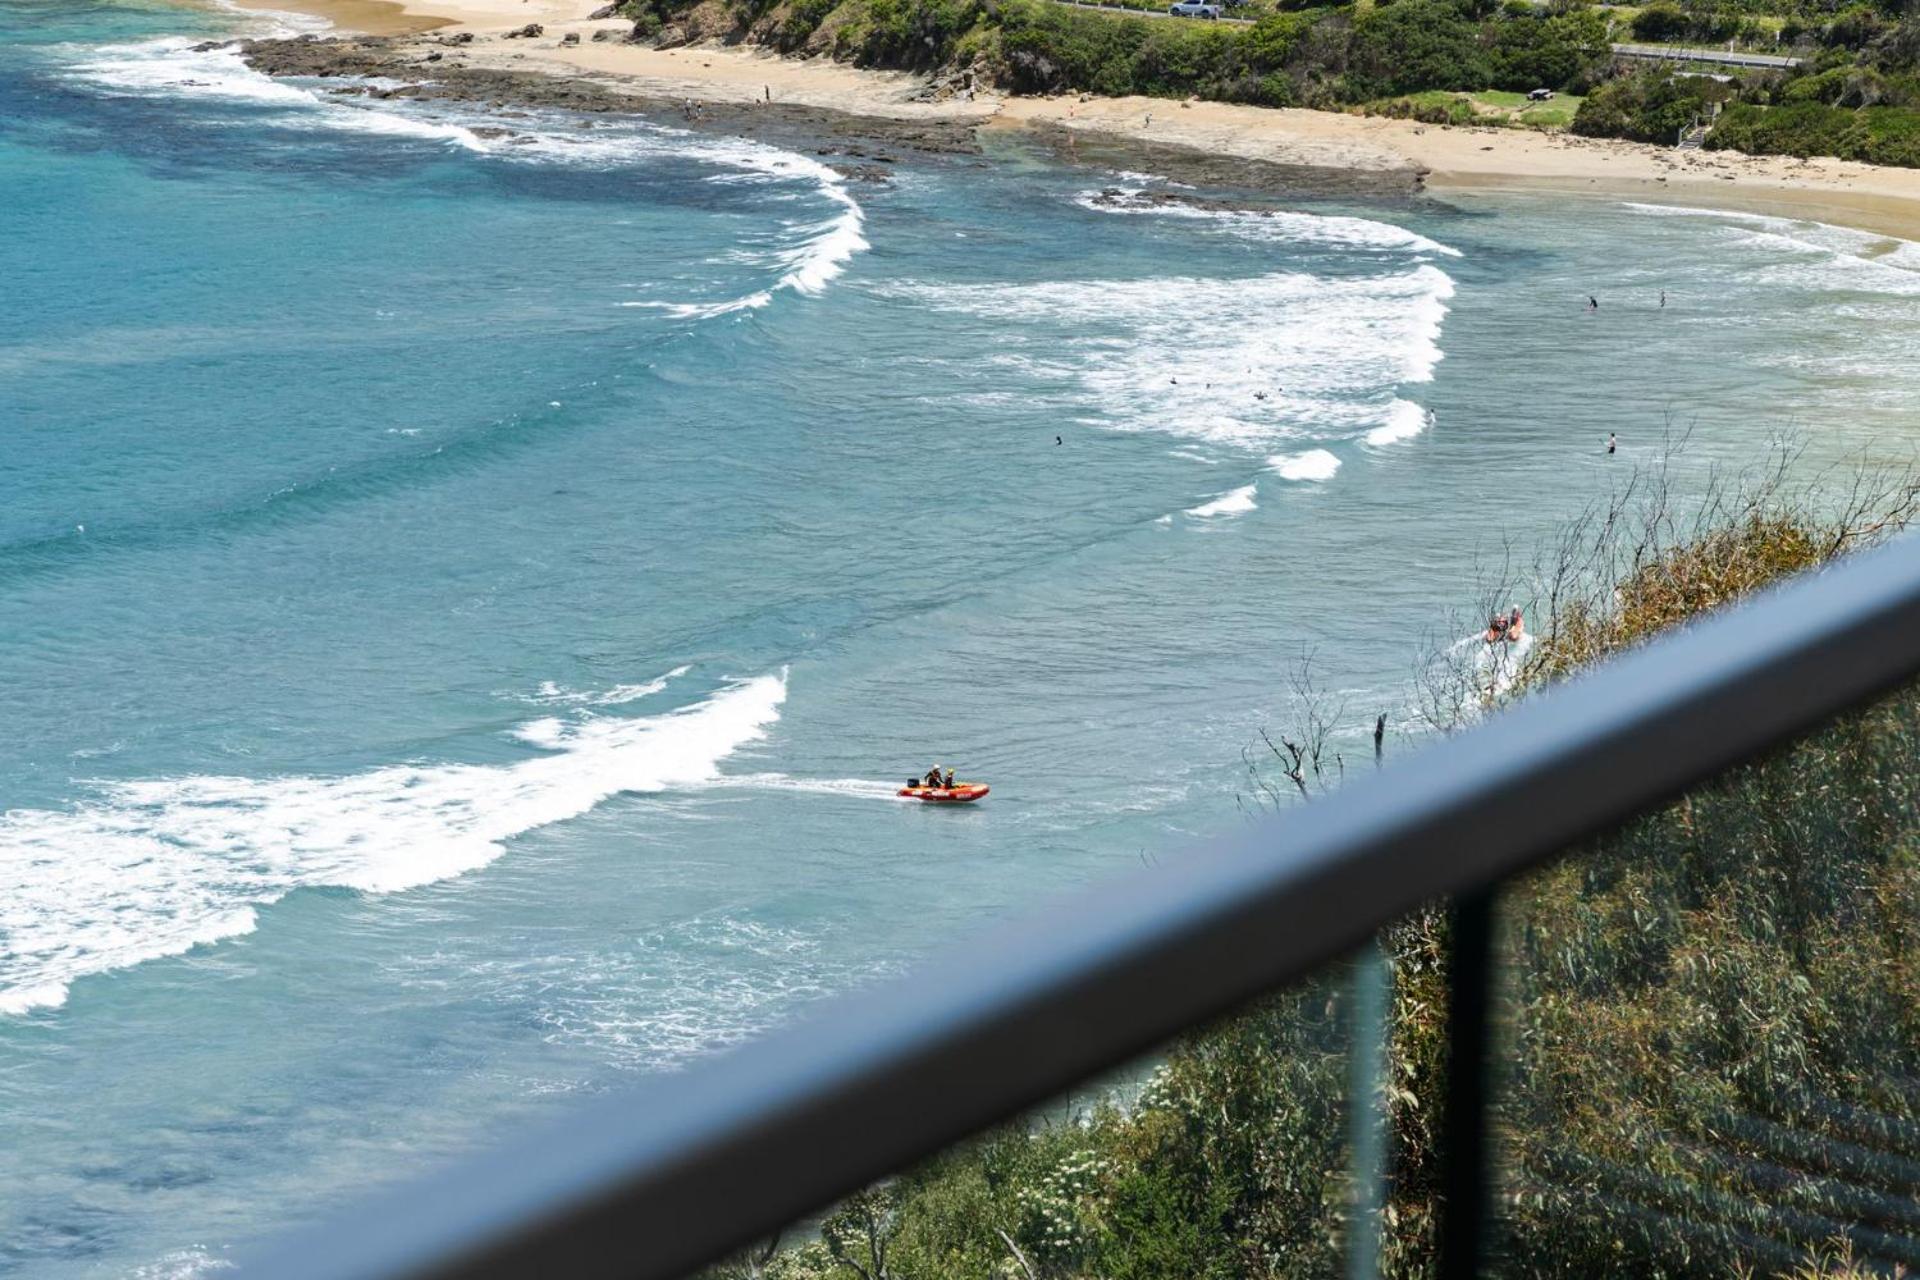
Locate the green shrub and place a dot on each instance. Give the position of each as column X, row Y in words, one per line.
column 1650, row 106
column 1877, row 135
column 1855, row 29
column 1532, row 51
column 1416, row 45
column 1658, row 22
column 914, row 34
column 798, row 21
column 1048, row 48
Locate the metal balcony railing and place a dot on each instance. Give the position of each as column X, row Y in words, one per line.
column 654, row 1181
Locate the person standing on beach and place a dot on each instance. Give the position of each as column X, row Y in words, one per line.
column 1613, row 442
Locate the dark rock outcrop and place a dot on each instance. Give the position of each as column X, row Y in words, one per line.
column 868, row 140
column 527, row 32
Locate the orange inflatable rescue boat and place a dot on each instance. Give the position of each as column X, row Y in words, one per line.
column 958, row 793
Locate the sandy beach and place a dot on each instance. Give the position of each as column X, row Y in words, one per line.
column 1884, row 200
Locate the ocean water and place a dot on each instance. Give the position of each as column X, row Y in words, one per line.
column 466, row 603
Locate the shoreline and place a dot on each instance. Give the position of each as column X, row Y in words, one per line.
column 1289, row 150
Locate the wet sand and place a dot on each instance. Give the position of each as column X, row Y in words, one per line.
column 1215, row 142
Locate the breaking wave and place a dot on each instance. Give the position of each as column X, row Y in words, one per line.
column 1313, row 464
column 1251, row 362
column 818, row 250
column 1808, row 254
column 153, row 868
column 1235, row 502
column 1405, row 420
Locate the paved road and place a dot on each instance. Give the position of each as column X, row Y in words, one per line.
column 1665, row 53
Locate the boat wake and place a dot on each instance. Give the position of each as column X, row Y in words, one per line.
column 1494, row 666
column 858, row 788
column 149, row 869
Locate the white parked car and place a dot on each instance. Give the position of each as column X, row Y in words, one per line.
column 1540, row 95
column 1193, row 9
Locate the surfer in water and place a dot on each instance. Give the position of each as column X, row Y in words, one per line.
column 1613, row 442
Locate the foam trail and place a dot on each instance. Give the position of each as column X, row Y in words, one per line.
column 1405, row 420
column 1236, row 502
column 860, row 788
column 1495, row 665
column 154, row 868
column 1313, row 464
column 552, row 694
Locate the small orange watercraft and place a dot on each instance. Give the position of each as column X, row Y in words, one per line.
column 958, row 793
column 1510, row 629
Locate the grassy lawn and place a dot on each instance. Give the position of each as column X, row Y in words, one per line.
column 1488, row 106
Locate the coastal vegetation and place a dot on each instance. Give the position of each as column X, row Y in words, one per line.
column 1855, row 93
column 1336, row 57
column 1706, row 1012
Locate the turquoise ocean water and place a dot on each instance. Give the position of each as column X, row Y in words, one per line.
column 465, row 606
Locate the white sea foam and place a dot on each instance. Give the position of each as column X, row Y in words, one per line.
column 1278, row 225
column 858, row 788
column 551, row 693
column 151, row 869
column 1494, row 665
column 1815, row 255
column 1693, row 211
column 1235, row 502
column 167, row 66
column 1405, row 420
column 171, row 66
column 819, row 250
column 1312, row 464
column 181, row 1264
column 823, row 251
column 1247, row 363
column 677, row 992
